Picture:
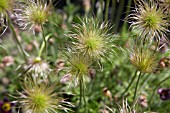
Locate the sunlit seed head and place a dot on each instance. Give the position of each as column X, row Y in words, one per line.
column 37, row 15
column 143, row 59
column 40, row 98
column 149, row 20
column 93, row 38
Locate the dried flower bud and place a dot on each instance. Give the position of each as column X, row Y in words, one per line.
column 104, row 111
column 143, row 101
column 8, row 60
column 164, row 62
column 65, row 78
column 5, row 81
column 107, row 93
column 92, row 73
column 29, row 47
column 60, row 64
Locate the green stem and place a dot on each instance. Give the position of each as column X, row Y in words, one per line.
column 84, row 99
column 43, row 45
column 129, row 84
column 16, row 38
column 81, row 91
column 134, row 97
column 101, row 14
column 150, row 100
column 118, row 16
column 145, row 80
column 113, row 9
column 44, row 41
column 106, row 10
column 93, row 5
column 127, row 13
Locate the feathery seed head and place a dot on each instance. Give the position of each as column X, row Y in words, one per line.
column 150, row 20
column 143, row 59
column 40, row 98
column 34, row 12
column 93, row 38
column 78, row 66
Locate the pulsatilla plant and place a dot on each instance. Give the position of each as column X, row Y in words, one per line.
column 40, row 98
column 33, row 13
column 149, row 20
column 93, row 38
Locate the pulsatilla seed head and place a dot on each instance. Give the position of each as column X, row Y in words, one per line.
column 33, row 13
column 93, row 38
column 143, row 59
column 40, row 98
column 78, row 66
column 149, row 20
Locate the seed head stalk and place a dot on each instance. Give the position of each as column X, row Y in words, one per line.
column 135, row 75
column 44, row 41
column 16, row 38
column 82, row 94
column 124, row 28
column 106, row 10
column 139, row 76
